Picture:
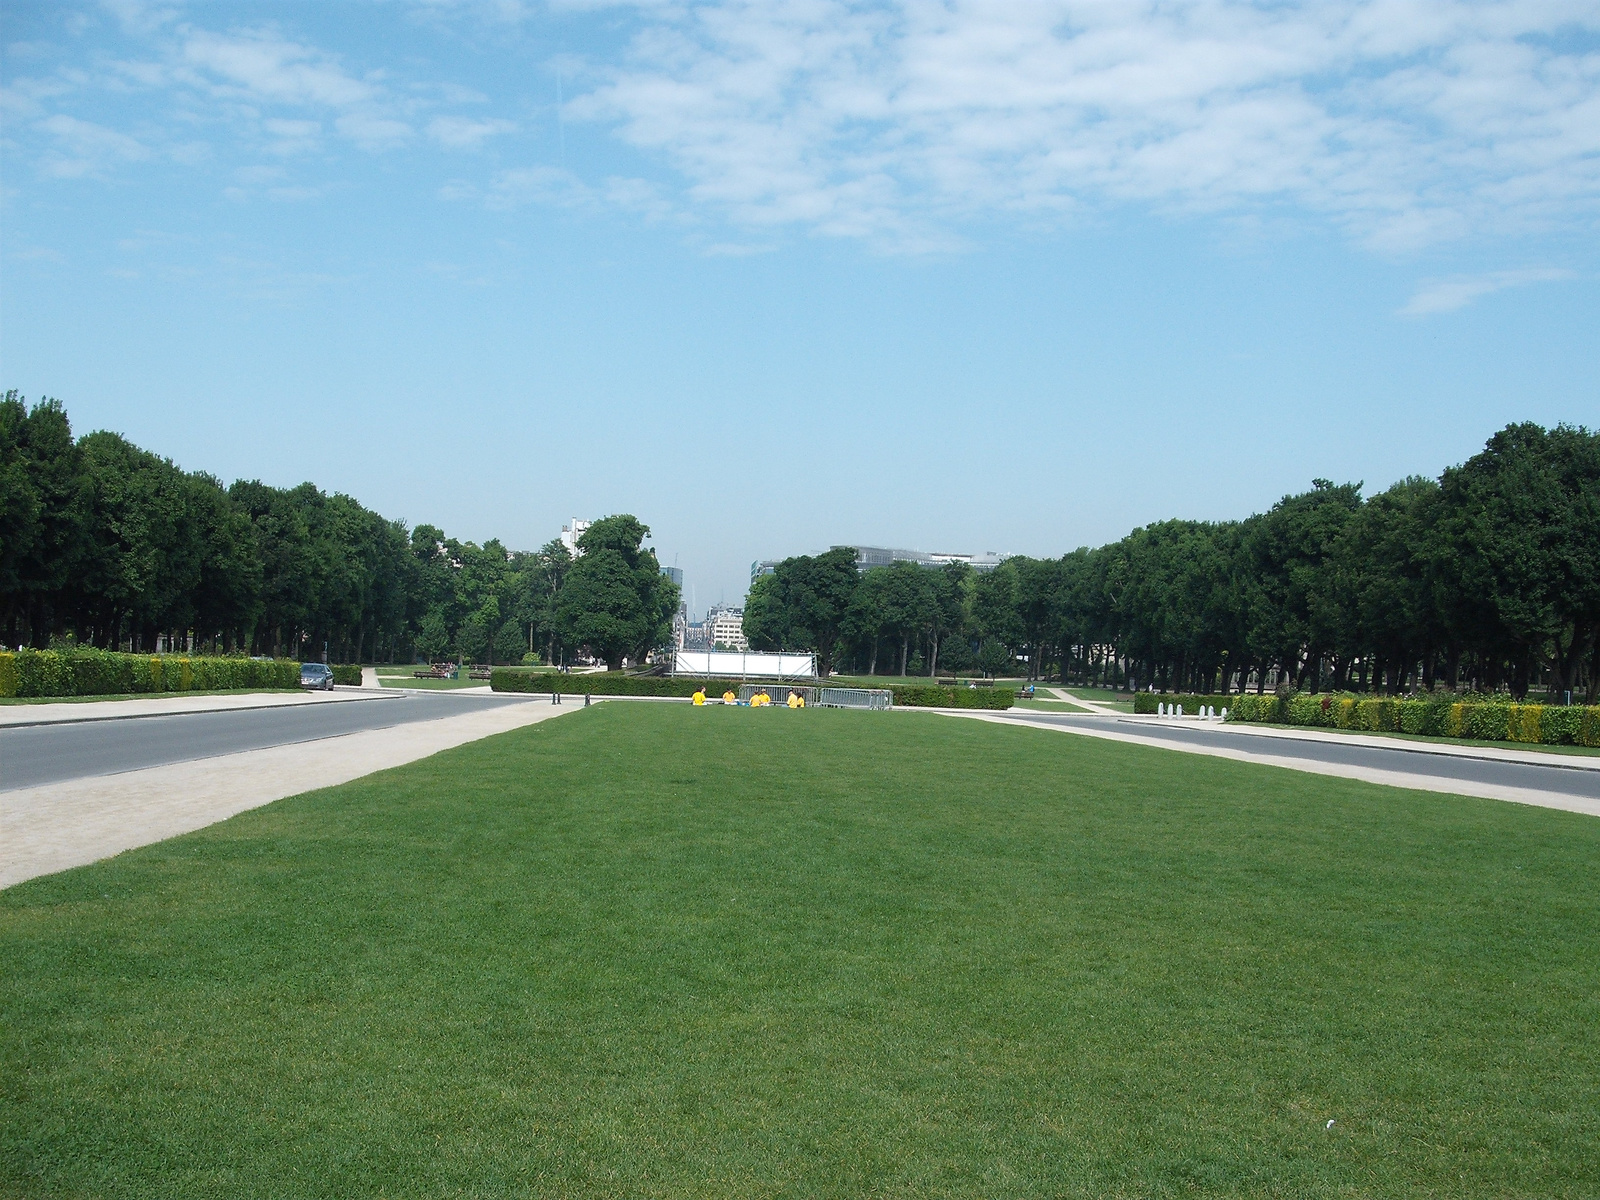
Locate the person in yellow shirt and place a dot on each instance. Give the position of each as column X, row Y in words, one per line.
column 761, row 699
column 729, row 698
column 794, row 700
column 699, row 696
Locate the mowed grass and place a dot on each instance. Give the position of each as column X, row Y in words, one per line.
column 653, row 950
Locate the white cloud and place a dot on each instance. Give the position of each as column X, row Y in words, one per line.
column 291, row 136
column 372, row 132
column 1448, row 295
column 1402, row 121
column 270, row 68
column 463, row 133
column 83, row 148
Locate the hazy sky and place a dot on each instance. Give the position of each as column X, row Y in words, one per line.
column 990, row 276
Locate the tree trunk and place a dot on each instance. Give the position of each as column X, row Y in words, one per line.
column 933, row 660
column 905, row 643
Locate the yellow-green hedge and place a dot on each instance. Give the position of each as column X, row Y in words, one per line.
column 87, row 672
column 1438, row 716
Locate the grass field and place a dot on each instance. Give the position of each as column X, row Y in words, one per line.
column 652, row 950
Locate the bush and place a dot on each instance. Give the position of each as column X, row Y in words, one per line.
column 1589, row 729
column 609, row 683
column 919, row 696
column 1267, row 709
column 1562, row 726
column 1488, row 722
column 88, row 672
column 1443, row 715
column 347, row 675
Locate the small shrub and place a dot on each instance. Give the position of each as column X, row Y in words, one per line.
column 1589, row 727
column 1561, row 726
column 918, row 696
column 347, row 674
column 84, row 671
column 1488, row 722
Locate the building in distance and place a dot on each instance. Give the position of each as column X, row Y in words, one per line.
column 724, row 628
column 571, row 533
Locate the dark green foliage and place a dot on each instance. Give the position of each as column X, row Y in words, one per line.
column 89, row 672
column 614, row 598
column 953, row 697
column 347, row 674
column 611, row 683
column 804, row 603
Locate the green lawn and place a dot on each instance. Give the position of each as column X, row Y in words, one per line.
column 653, row 950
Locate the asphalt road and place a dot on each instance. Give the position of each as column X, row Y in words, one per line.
column 1563, row 780
column 39, row 754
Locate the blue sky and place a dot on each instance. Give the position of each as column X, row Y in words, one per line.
column 1011, row 277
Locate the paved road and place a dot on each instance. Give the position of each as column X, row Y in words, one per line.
column 1532, row 776
column 54, row 753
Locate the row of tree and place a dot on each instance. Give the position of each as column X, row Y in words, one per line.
column 1486, row 578
column 106, row 544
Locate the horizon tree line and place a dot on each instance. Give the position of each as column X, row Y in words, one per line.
column 107, row 545
column 1486, row 578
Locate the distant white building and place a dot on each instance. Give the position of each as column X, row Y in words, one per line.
column 725, row 627
column 570, row 535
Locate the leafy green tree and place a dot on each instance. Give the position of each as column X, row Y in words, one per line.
column 803, row 605
column 615, row 600
column 509, row 646
column 433, row 637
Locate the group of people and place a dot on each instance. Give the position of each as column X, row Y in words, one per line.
column 760, row 700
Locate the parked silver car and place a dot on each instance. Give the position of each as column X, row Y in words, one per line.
column 316, row 675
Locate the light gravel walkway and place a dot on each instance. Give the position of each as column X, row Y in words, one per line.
column 50, row 828
column 1093, row 706
column 65, row 713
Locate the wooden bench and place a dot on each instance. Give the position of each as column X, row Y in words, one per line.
column 478, row 673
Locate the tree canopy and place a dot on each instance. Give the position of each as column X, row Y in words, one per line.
column 107, row 544
column 1488, row 577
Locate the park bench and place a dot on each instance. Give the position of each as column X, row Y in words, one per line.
column 479, row 673
column 437, row 671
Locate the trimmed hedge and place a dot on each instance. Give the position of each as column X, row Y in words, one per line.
column 615, row 683
column 347, row 675
column 608, row 683
column 1445, row 715
column 918, row 696
column 87, row 672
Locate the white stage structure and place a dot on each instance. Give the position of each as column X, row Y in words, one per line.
column 741, row 664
